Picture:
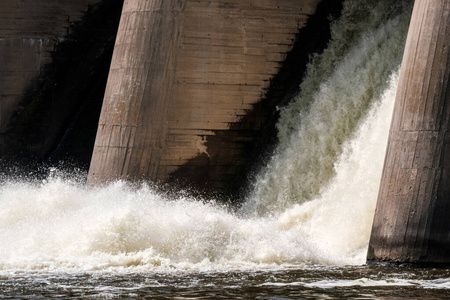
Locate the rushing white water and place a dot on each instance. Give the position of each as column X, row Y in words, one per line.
column 59, row 225
column 340, row 88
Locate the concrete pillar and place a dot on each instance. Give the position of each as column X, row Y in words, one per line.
column 133, row 122
column 183, row 99
column 412, row 218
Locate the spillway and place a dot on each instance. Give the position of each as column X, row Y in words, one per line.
column 312, row 204
column 306, row 223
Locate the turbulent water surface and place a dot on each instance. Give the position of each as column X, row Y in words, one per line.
column 303, row 232
column 308, row 282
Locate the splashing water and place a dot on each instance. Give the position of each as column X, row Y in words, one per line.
column 313, row 128
column 332, row 143
column 59, row 225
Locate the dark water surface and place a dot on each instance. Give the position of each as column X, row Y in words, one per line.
column 364, row 282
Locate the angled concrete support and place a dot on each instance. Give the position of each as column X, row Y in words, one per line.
column 133, row 122
column 412, row 218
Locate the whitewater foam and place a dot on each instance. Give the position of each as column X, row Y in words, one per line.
column 335, row 97
column 62, row 225
column 59, row 225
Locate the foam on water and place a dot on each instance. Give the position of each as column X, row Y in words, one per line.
column 443, row 284
column 366, row 282
column 62, row 226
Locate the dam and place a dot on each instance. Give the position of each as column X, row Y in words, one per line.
column 190, row 115
column 238, row 63
column 305, row 224
column 171, row 124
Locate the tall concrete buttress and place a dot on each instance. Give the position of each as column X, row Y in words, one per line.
column 133, row 122
column 412, row 218
column 183, row 71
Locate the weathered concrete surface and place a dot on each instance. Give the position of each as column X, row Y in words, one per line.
column 412, row 218
column 55, row 60
column 183, row 71
column 29, row 32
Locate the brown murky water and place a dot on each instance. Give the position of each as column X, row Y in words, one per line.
column 312, row 282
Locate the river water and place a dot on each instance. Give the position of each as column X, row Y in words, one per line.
column 302, row 233
column 307, row 282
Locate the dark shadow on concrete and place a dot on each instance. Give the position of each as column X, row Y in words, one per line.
column 235, row 155
column 58, row 117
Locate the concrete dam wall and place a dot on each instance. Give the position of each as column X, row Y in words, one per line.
column 200, row 120
column 192, row 93
column 182, row 103
column 29, row 32
column 55, row 56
